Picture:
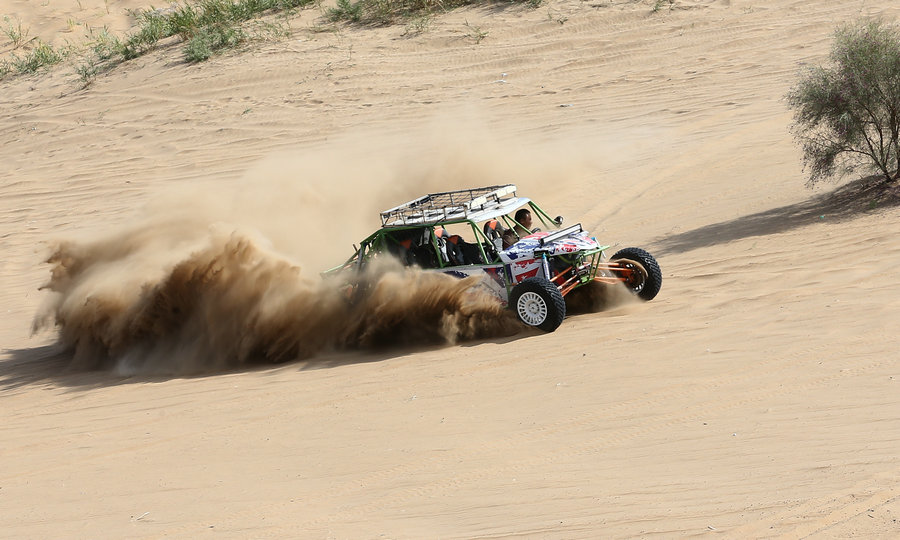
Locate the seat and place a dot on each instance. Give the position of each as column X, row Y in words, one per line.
column 413, row 247
column 493, row 230
column 455, row 250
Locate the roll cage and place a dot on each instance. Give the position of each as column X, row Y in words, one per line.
column 412, row 231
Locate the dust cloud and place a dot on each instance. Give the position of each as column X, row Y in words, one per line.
column 595, row 297
column 120, row 304
column 314, row 203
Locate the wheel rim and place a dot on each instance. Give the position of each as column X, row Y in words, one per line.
column 532, row 308
column 635, row 279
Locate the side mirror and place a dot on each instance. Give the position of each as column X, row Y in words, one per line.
column 558, row 220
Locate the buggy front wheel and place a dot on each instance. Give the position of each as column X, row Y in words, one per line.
column 639, row 271
column 538, row 302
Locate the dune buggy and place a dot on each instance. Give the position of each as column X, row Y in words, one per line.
column 475, row 232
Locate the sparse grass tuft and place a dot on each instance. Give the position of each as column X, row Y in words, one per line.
column 15, row 32
column 561, row 19
column 384, row 12
column 41, row 55
column 346, row 10
column 475, row 33
column 87, row 72
column 661, row 4
column 210, row 26
column 105, row 45
column 211, row 39
column 184, row 21
column 154, row 26
column 205, row 26
column 418, row 24
column 264, row 30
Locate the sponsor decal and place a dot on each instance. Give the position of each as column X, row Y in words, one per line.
column 491, row 279
column 526, row 275
column 524, row 249
column 525, row 269
column 495, row 274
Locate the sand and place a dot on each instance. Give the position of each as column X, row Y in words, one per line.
column 757, row 396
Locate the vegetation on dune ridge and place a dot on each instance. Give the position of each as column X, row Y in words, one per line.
column 207, row 27
column 847, row 113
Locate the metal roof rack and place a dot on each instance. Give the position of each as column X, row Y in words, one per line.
column 450, row 205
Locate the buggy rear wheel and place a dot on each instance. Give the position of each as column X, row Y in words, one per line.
column 639, row 271
column 538, row 302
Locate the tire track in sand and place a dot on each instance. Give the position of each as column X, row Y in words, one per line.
column 494, row 452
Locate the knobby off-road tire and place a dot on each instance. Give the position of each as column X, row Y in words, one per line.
column 537, row 302
column 647, row 278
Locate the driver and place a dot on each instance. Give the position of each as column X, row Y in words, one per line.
column 523, row 222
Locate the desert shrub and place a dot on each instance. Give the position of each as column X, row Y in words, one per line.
column 847, row 112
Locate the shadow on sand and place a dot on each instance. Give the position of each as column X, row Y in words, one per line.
column 50, row 364
column 859, row 197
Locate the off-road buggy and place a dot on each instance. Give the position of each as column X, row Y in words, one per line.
column 473, row 232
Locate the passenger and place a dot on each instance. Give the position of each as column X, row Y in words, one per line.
column 509, row 238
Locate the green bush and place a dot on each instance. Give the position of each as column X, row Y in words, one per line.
column 847, row 113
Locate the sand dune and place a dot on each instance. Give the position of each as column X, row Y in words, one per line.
column 756, row 397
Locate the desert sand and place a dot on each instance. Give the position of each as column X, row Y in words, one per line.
column 758, row 396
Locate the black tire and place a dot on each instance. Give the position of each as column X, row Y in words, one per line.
column 648, row 287
column 537, row 302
